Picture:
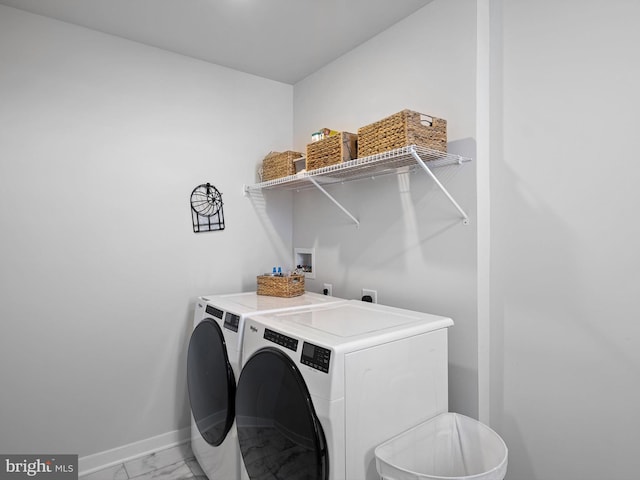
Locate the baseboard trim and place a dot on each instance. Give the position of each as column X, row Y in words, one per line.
column 108, row 458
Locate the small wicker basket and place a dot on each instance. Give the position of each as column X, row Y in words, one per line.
column 279, row 164
column 331, row 150
column 400, row 130
column 286, row 286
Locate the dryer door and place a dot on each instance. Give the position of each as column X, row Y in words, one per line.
column 279, row 432
column 211, row 382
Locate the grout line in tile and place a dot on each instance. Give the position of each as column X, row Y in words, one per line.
column 126, row 471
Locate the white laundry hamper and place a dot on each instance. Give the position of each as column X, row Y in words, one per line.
column 449, row 446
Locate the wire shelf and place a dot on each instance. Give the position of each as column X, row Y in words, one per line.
column 391, row 162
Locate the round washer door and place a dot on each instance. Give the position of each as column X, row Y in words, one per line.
column 211, row 383
column 279, row 432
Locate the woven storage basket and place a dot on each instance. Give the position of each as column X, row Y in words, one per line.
column 288, row 286
column 400, row 130
column 277, row 165
column 331, row 150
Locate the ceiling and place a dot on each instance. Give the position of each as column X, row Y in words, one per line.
column 284, row 40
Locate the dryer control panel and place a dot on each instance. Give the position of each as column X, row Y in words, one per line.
column 280, row 339
column 315, row 357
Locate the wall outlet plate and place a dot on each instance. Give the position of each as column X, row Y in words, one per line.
column 327, row 289
column 372, row 293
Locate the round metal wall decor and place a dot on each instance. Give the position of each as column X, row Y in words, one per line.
column 206, row 209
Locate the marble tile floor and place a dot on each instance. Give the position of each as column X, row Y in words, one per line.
column 175, row 463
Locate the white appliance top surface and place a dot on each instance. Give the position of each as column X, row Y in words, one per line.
column 251, row 302
column 352, row 321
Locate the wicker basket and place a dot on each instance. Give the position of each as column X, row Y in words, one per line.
column 277, row 165
column 400, row 130
column 331, row 150
column 287, row 286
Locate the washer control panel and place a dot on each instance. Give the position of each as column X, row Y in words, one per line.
column 216, row 312
column 231, row 321
column 280, row 339
column 315, row 357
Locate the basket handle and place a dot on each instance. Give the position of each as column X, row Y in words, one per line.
column 426, row 120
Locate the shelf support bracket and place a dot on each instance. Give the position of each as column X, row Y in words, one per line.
column 419, row 161
column 328, row 195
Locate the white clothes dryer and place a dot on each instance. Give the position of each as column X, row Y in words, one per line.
column 213, row 366
column 320, row 389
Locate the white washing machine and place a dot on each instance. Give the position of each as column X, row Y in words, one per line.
column 213, row 367
column 320, row 389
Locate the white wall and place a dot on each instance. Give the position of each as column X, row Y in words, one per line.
column 101, row 143
column 564, row 237
column 411, row 245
